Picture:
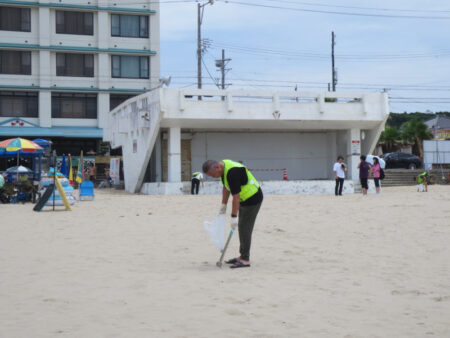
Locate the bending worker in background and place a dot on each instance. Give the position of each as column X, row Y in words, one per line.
column 422, row 181
column 197, row 177
column 246, row 202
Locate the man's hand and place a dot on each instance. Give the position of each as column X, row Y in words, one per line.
column 234, row 222
column 223, row 209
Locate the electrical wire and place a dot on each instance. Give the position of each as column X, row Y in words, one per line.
column 320, row 56
column 358, row 8
column 296, row 9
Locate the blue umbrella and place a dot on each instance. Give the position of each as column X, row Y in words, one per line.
column 43, row 143
column 64, row 170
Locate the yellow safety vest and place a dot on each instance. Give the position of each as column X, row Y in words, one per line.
column 196, row 175
column 422, row 177
column 247, row 190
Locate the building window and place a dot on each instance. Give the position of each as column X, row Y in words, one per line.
column 133, row 26
column 15, row 62
column 15, row 19
column 116, row 99
column 18, row 104
column 135, row 67
column 74, row 106
column 74, row 64
column 80, row 23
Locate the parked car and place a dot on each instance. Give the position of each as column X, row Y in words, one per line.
column 402, row 160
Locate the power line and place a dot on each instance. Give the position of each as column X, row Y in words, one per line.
column 212, row 78
column 364, row 8
column 296, row 9
column 316, row 55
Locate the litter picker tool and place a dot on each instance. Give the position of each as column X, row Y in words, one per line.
column 219, row 263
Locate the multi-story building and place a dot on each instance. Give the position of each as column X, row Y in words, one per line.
column 65, row 64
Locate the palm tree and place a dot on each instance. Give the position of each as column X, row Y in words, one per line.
column 416, row 131
column 389, row 137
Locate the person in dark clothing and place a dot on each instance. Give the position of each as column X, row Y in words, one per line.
column 197, row 177
column 364, row 168
column 247, row 198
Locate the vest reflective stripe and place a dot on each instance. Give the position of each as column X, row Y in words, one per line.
column 247, row 190
column 196, row 175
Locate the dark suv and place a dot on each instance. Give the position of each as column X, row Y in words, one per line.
column 402, row 160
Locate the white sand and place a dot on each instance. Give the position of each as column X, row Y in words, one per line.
column 143, row 266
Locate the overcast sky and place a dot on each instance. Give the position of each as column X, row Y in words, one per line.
column 387, row 44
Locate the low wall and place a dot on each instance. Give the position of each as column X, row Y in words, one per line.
column 269, row 187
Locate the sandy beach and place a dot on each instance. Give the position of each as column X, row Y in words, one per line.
column 143, row 266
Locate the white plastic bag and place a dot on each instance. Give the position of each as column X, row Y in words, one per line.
column 216, row 231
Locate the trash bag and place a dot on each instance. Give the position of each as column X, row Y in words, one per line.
column 216, row 231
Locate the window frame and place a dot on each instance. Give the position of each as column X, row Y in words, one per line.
column 140, row 62
column 31, row 102
column 87, row 71
column 143, row 24
column 71, row 98
column 24, row 17
column 25, row 69
column 113, row 98
column 61, row 28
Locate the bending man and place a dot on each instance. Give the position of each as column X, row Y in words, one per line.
column 246, row 202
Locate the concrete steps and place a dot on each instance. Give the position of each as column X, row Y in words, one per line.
column 405, row 177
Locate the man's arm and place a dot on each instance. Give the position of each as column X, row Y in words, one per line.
column 225, row 195
column 236, row 203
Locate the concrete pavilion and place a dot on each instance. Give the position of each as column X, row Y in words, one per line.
column 166, row 134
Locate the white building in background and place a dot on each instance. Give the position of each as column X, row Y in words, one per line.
column 65, row 64
column 166, row 134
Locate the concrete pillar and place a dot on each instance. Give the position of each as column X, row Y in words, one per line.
column 353, row 152
column 154, row 27
column 45, row 108
column 158, row 159
column 45, row 74
column 174, row 155
column 103, row 70
column 102, row 109
column 103, row 29
column 44, row 26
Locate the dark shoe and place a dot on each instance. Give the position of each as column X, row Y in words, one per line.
column 239, row 264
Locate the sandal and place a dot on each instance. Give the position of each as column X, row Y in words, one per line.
column 239, row 264
column 232, row 261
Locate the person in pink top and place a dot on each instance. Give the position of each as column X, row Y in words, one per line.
column 376, row 169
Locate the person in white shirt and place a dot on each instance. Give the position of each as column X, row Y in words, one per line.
column 339, row 170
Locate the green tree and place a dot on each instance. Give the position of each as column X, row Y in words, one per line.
column 389, row 138
column 416, row 131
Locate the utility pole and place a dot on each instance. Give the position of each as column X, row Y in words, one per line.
column 199, row 48
column 223, row 69
column 200, row 9
column 221, row 64
column 333, row 69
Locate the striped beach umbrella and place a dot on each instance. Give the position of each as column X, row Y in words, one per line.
column 21, row 145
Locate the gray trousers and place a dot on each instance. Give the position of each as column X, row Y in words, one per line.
column 247, row 217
